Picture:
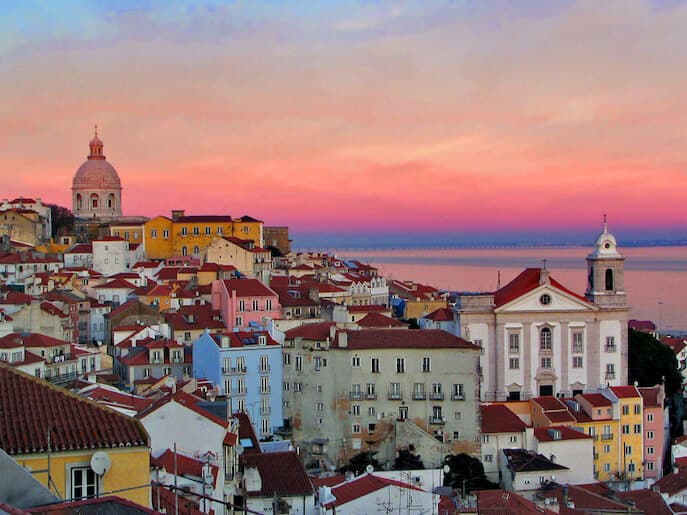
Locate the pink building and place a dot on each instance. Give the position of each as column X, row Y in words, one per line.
column 245, row 302
column 655, row 432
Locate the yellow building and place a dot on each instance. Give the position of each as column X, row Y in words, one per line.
column 132, row 232
column 628, row 402
column 184, row 235
column 72, row 445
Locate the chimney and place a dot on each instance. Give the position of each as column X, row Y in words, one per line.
column 543, row 276
column 343, row 339
column 177, row 213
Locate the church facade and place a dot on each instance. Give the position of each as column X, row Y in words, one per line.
column 540, row 338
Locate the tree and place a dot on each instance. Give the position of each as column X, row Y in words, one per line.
column 466, row 473
column 360, row 461
column 651, row 363
column 406, row 460
column 62, row 220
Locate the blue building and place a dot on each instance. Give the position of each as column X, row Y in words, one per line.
column 247, row 368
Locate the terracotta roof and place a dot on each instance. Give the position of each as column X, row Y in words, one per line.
column 110, row 238
column 248, row 288
column 411, row 339
column 497, row 418
column 282, row 473
column 379, row 320
column 34, row 406
column 243, row 338
column 371, row 308
column 185, row 465
column 247, row 432
column 53, row 310
column 117, row 283
column 625, row 392
column 248, row 219
column 650, row 502
column 362, row 486
column 329, row 481
column 673, row 484
column 650, row 396
column 31, row 340
column 520, row 460
column 646, row 326
column 596, row 399
column 552, row 434
column 81, row 248
column 677, row 344
column 502, row 502
column 527, row 281
column 186, row 400
column 110, row 395
column 317, row 331
column 441, row 315
column 590, row 498
column 16, row 298
column 197, row 316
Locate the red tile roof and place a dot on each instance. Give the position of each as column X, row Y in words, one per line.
column 81, row 248
column 53, row 310
column 411, row 339
column 117, row 283
column 497, row 418
column 673, row 483
column 33, row 406
column 185, row 465
column 248, row 288
column 379, row 320
column 243, row 338
column 527, row 281
column 502, row 502
column 317, row 331
column 596, row 399
column 16, row 298
column 197, row 316
column 441, row 315
column 646, row 326
column 282, row 473
column 371, row 308
column 552, row 434
column 650, row 396
column 31, row 340
column 650, row 502
column 625, row 392
column 186, row 400
column 362, row 486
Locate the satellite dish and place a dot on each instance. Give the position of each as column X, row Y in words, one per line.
column 100, row 463
column 447, row 469
column 369, row 469
column 239, row 450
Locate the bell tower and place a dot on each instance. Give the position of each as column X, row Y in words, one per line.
column 605, row 272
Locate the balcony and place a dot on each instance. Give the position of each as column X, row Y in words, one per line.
column 62, row 378
column 265, row 390
column 596, row 438
column 437, row 421
column 394, row 396
column 239, row 370
column 610, row 375
column 419, row 396
column 284, row 431
column 371, row 396
column 265, row 369
column 457, row 397
column 436, row 396
column 356, row 396
column 610, row 348
column 227, row 370
column 607, row 436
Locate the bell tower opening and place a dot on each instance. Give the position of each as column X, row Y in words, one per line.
column 609, row 279
column 605, row 270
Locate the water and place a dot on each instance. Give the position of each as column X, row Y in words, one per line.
column 655, row 277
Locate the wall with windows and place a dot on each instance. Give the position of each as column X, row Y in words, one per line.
column 70, row 473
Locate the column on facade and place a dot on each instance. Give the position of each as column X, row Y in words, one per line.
column 595, row 375
column 498, row 364
column 527, row 360
column 565, row 360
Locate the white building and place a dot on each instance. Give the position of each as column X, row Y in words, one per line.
column 540, row 338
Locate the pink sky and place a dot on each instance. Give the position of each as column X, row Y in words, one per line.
column 377, row 118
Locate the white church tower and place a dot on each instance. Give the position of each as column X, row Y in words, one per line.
column 605, row 272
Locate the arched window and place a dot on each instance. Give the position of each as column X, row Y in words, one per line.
column 94, row 201
column 79, row 201
column 545, row 339
column 196, row 250
column 111, row 201
column 184, row 250
column 609, row 279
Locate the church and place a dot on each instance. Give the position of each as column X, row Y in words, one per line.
column 540, row 338
column 96, row 188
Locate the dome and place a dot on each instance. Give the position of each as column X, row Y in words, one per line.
column 605, row 245
column 96, row 174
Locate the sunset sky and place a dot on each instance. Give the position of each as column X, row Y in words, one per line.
column 374, row 116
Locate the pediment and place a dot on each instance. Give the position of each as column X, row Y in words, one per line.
column 558, row 300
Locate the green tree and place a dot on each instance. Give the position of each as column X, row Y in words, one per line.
column 360, row 461
column 406, row 460
column 652, row 363
column 466, row 473
column 62, row 220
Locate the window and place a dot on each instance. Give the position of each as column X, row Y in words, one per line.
column 83, row 483
column 241, row 386
column 626, row 429
column 650, row 465
column 239, row 321
column 456, row 435
column 153, row 233
column 545, row 299
column 626, row 410
column 265, row 425
column 184, row 231
column 631, row 467
column 514, row 343
column 196, row 250
column 426, row 364
column 607, row 449
column 514, row 363
column 638, row 409
column 488, row 458
column 457, row 392
column 355, row 361
column 610, row 344
column 286, row 386
column 607, row 467
column 578, row 342
column 637, row 429
column 545, row 339
column 219, row 230
column 184, row 250
column 227, row 387
column 355, row 410
column 513, row 439
column 268, row 304
column 457, row 415
column 208, row 230
column 299, row 363
column 165, row 234
column 400, row 365
column 256, row 305
column 418, row 391
column 650, row 450
column 297, row 387
column 371, row 411
column 436, row 413
column 371, row 391
column 649, row 417
column 371, row 427
column 395, row 391
column 374, row 365
column 577, row 362
column 287, row 358
column 264, row 363
column 485, row 438
column 546, row 362
column 196, row 231
column 609, row 279
column 355, row 428
column 610, row 371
